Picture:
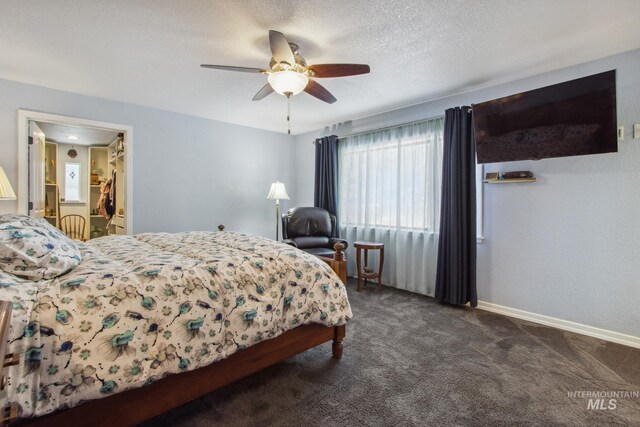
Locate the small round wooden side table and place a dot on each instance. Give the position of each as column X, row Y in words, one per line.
column 364, row 273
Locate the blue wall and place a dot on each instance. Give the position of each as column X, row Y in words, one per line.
column 188, row 173
column 567, row 246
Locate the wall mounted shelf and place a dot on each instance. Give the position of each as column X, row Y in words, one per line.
column 508, row 181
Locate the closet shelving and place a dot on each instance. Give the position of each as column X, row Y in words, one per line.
column 104, row 161
column 116, row 151
column 98, row 163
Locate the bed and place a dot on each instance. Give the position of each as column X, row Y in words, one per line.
column 142, row 324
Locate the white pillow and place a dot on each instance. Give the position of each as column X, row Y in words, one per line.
column 32, row 248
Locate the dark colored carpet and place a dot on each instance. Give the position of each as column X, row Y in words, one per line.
column 411, row 362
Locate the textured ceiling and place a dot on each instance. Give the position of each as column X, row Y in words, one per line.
column 86, row 135
column 148, row 52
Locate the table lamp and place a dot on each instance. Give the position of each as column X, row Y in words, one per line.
column 277, row 192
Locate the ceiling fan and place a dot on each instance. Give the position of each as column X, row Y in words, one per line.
column 289, row 74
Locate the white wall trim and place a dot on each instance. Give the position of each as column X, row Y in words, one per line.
column 565, row 325
column 23, row 149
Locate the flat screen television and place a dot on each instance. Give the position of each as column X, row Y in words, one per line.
column 573, row 118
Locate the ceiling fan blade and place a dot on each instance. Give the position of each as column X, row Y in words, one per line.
column 266, row 90
column 338, row 70
column 280, row 49
column 231, row 68
column 316, row 89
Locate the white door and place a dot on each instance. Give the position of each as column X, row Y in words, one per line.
column 36, row 171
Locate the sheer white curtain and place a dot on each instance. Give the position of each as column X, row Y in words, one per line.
column 389, row 191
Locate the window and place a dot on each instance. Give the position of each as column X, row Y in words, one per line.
column 389, row 191
column 391, row 178
column 72, row 182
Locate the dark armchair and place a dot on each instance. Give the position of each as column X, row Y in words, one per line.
column 312, row 230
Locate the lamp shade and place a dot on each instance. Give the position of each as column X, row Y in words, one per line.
column 285, row 82
column 278, row 191
column 6, row 192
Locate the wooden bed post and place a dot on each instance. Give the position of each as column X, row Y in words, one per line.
column 339, row 262
column 339, row 265
column 339, row 332
column 9, row 411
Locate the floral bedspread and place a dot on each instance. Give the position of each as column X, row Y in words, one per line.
column 139, row 308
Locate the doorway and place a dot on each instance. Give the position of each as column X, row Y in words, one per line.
column 69, row 163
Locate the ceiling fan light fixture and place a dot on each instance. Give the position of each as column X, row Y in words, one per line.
column 289, row 74
column 288, row 82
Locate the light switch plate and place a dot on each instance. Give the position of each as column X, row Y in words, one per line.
column 620, row 133
column 636, row 131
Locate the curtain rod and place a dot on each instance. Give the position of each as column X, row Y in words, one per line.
column 391, row 127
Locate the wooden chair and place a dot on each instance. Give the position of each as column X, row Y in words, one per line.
column 73, row 226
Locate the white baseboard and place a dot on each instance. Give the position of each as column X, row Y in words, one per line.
column 566, row 325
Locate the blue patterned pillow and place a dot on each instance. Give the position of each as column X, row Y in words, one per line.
column 33, row 249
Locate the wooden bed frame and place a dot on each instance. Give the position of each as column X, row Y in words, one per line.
column 135, row 406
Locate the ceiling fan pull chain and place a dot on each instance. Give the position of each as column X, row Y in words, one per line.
column 289, row 112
